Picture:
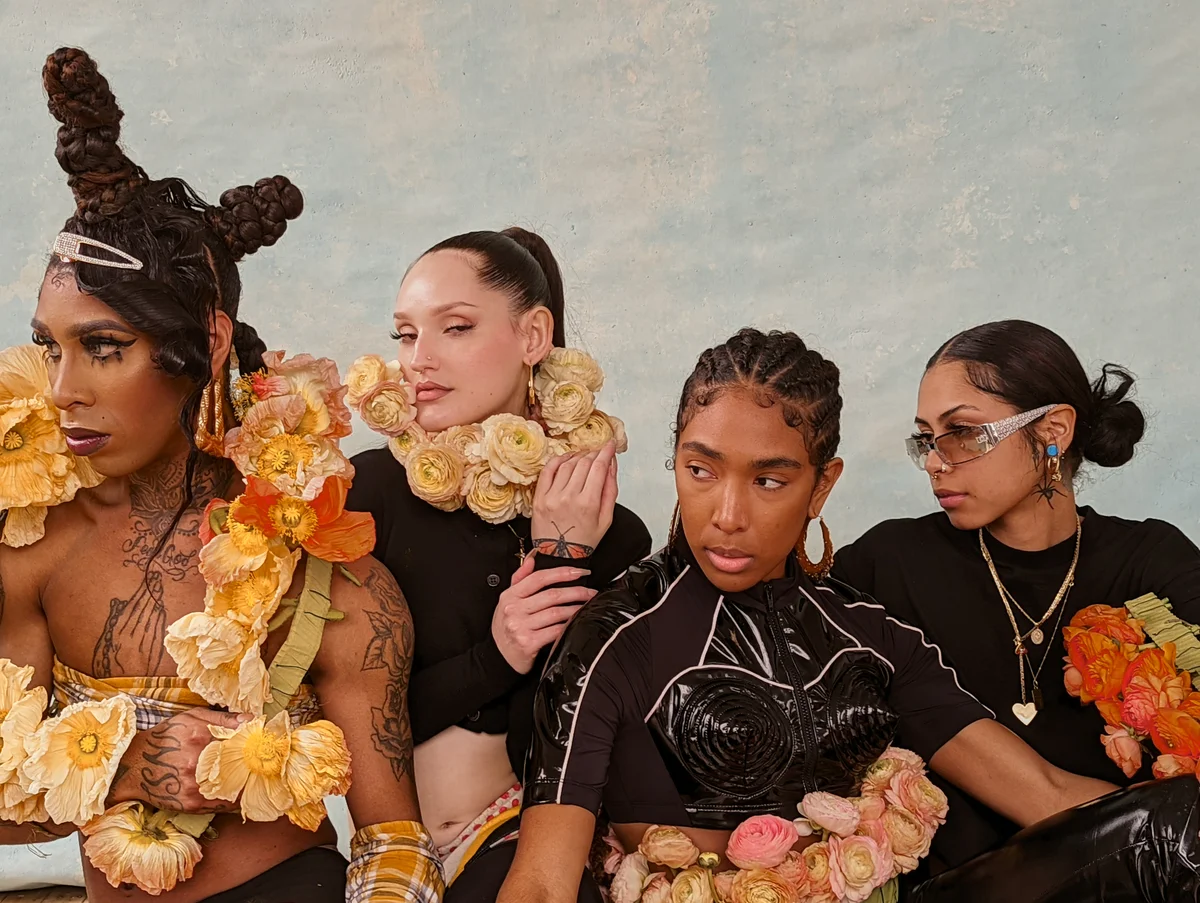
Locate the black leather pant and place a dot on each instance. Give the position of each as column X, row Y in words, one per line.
column 1140, row 844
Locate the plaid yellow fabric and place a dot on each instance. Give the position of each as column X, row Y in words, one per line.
column 156, row 699
column 394, row 862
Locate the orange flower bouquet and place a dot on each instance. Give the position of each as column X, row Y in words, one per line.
column 1140, row 665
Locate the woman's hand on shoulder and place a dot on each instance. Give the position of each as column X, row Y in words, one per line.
column 533, row 612
column 573, row 504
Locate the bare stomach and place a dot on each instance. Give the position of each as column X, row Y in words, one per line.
column 459, row 774
column 240, row 852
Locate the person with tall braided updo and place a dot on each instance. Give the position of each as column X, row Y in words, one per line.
column 139, row 326
column 728, row 676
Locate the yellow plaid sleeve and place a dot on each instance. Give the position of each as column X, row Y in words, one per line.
column 394, row 862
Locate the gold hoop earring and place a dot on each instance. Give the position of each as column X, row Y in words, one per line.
column 210, row 420
column 532, row 391
column 673, row 533
column 821, row 569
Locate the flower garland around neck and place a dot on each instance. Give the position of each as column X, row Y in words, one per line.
column 861, row 845
column 60, row 768
column 1140, row 665
column 491, row 467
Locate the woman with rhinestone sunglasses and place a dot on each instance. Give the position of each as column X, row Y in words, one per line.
column 1006, row 418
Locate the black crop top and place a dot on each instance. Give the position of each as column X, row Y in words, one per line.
column 452, row 568
column 672, row 703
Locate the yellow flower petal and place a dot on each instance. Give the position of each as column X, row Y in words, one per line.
column 73, row 757
column 319, row 764
column 131, row 844
column 24, row 526
column 233, row 555
column 251, row 763
column 221, row 660
column 253, row 600
column 309, row 817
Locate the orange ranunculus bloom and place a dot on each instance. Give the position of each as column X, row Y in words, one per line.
column 1191, row 705
column 1102, row 663
column 1151, row 683
column 1113, row 622
column 1110, row 711
column 322, row 527
column 1176, row 733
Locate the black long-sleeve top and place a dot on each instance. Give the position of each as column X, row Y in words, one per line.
column 452, row 568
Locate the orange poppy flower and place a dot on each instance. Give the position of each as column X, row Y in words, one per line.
column 1176, row 733
column 1101, row 661
column 322, row 527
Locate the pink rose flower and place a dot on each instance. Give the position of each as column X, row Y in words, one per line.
column 831, row 812
column 916, row 793
column 1123, row 749
column 794, row 873
column 875, row 830
column 908, row 837
column 1172, row 766
column 816, row 860
column 657, row 889
column 761, row 842
column 630, row 877
column 856, row 868
column 723, row 882
column 668, row 846
column 1072, row 678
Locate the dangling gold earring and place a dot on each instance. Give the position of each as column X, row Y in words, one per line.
column 821, row 569
column 532, row 392
column 1053, row 464
column 673, row 533
column 210, row 421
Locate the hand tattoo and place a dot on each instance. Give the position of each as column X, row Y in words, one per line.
column 160, row 783
column 391, row 648
column 561, row 547
column 133, row 635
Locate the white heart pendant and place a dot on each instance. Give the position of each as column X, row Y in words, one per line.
column 1025, row 712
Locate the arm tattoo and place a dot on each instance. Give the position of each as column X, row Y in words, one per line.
column 132, row 639
column 391, row 648
column 561, row 547
column 160, row 782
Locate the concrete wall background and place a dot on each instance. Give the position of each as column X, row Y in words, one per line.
column 873, row 175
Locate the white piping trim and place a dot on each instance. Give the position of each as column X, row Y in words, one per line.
column 816, row 680
column 713, row 632
column 924, row 642
column 857, row 642
column 592, row 670
column 703, row 667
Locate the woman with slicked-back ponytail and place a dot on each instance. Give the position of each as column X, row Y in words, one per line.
column 140, row 333
column 1007, row 422
column 493, row 574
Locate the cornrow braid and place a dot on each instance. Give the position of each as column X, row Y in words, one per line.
column 780, row 369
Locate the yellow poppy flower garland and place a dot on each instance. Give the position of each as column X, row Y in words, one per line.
column 491, row 467
column 61, row 768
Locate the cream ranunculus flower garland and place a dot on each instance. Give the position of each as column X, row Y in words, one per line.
column 491, row 467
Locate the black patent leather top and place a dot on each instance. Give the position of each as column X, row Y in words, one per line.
column 673, row 703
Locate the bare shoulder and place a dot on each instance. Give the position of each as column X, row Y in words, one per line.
column 25, row 571
column 376, row 631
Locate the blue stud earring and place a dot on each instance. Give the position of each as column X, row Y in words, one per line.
column 1053, row 463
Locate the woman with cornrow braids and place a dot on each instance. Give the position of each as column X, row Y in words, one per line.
column 138, row 322
column 728, row 677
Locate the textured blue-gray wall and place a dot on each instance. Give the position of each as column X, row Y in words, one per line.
column 873, row 175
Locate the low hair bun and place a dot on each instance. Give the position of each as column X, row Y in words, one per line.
column 1116, row 422
column 251, row 217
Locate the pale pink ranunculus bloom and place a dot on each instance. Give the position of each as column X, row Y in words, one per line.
column 668, row 846
column 657, row 889
column 816, row 860
column 1072, row 679
column 834, row 813
column 631, row 876
column 869, row 807
column 856, row 868
column 723, row 882
column 761, row 842
column 692, row 885
column 616, row 853
column 874, row 828
column 795, row 873
column 918, row 795
column 1169, row 766
column 908, row 837
column 1123, row 749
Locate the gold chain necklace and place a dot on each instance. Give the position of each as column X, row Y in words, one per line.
column 1024, row 710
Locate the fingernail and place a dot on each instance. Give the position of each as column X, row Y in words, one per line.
column 580, row 571
column 243, row 718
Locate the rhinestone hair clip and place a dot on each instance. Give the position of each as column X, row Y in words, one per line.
column 69, row 247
